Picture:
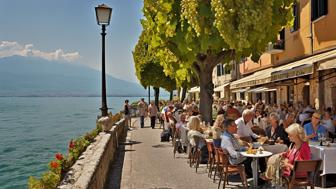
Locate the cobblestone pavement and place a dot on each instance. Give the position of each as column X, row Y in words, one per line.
column 143, row 162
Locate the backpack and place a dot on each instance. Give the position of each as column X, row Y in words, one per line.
column 165, row 136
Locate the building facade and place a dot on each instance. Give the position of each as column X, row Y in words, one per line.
column 300, row 67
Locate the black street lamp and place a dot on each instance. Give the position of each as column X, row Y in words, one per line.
column 103, row 14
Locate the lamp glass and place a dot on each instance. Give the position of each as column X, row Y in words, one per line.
column 103, row 14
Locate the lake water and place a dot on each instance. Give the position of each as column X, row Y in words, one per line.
column 33, row 129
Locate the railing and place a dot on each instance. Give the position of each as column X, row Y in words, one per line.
column 92, row 167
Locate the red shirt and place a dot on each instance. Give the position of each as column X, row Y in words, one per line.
column 303, row 153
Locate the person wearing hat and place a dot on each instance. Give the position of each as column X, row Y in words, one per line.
column 314, row 129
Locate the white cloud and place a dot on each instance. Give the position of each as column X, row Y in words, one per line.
column 10, row 48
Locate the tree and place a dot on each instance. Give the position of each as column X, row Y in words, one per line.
column 202, row 33
column 148, row 71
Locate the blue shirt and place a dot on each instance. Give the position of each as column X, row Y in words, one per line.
column 232, row 146
column 309, row 130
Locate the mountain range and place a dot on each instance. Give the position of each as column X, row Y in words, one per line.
column 30, row 76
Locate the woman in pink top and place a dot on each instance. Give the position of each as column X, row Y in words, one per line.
column 299, row 150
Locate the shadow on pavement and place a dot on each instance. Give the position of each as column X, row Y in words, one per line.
column 130, row 142
column 113, row 179
column 162, row 145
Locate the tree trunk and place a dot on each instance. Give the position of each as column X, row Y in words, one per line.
column 184, row 92
column 178, row 92
column 204, row 67
column 206, row 91
column 156, row 95
column 171, row 96
column 148, row 94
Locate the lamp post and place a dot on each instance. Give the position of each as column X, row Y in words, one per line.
column 103, row 15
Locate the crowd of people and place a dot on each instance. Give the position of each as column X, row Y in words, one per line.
column 238, row 124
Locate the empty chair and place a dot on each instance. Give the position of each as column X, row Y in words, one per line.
column 211, row 158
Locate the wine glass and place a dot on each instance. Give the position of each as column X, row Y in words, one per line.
column 319, row 138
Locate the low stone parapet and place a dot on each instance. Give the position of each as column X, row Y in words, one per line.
column 92, row 167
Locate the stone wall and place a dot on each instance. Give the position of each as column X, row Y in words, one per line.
column 92, row 167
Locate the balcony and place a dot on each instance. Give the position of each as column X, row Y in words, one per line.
column 276, row 48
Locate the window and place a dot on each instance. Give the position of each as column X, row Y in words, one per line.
column 242, row 96
column 220, row 69
column 290, row 94
column 318, row 8
column 296, row 13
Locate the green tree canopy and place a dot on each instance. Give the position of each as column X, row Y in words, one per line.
column 148, row 70
column 198, row 34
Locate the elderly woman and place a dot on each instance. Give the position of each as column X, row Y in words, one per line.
column 276, row 132
column 194, row 126
column 299, row 150
column 217, row 130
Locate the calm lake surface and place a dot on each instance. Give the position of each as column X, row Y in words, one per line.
column 33, row 129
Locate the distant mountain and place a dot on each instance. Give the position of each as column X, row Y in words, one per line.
column 28, row 76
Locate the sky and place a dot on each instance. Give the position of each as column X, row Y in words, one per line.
column 67, row 30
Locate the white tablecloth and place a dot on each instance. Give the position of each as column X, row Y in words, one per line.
column 276, row 148
column 327, row 154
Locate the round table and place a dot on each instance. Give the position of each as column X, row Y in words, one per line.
column 276, row 148
column 254, row 163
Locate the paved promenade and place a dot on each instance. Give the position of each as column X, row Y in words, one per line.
column 144, row 162
column 149, row 164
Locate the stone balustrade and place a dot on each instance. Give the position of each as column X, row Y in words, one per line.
column 92, row 167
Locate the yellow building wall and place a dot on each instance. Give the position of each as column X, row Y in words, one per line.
column 324, row 29
column 298, row 43
column 249, row 66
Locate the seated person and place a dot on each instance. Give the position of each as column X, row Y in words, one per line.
column 314, row 128
column 276, row 132
column 327, row 122
column 259, row 121
column 217, row 130
column 244, row 125
column 183, row 130
column 299, row 150
column 233, row 147
column 194, row 126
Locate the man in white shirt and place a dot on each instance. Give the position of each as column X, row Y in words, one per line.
column 327, row 122
column 244, row 125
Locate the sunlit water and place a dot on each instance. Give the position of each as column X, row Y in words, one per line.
column 33, row 129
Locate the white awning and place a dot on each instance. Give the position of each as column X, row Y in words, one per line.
column 240, row 90
column 291, row 70
column 329, row 64
column 301, row 67
column 260, row 89
column 221, row 87
column 257, row 78
column 194, row 90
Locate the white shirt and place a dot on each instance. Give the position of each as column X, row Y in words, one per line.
column 329, row 125
column 244, row 130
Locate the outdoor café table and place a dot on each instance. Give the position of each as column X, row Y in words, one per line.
column 327, row 154
column 276, row 148
column 254, row 163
